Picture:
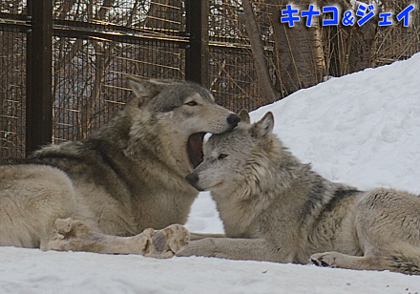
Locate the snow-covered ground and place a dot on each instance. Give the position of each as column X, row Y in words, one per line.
column 362, row 129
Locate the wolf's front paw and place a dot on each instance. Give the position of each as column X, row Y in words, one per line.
column 323, row 259
column 167, row 242
column 70, row 235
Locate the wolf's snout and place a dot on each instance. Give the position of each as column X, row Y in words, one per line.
column 233, row 120
column 192, row 179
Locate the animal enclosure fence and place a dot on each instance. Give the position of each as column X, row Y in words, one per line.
column 63, row 62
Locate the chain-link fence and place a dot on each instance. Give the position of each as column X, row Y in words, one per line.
column 12, row 91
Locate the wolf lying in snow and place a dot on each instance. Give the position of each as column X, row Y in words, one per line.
column 100, row 193
column 275, row 208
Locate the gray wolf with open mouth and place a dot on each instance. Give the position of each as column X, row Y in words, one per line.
column 274, row 208
column 102, row 194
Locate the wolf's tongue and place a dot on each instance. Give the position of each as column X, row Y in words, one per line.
column 195, row 148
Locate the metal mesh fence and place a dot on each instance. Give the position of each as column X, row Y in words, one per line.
column 89, row 82
column 233, row 79
column 12, row 92
column 156, row 17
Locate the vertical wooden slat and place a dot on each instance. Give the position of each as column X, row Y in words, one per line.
column 196, row 57
column 39, row 98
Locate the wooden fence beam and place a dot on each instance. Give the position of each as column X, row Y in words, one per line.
column 196, row 54
column 39, row 100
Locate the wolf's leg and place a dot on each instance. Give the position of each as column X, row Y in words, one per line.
column 398, row 257
column 199, row 236
column 336, row 259
column 237, row 249
column 76, row 235
column 32, row 197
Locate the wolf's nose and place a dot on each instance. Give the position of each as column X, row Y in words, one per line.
column 192, row 179
column 233, row 119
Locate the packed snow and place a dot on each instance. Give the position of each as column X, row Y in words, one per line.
column 362, row 129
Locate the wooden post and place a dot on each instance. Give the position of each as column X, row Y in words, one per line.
column 39, row 100
column 196, row 57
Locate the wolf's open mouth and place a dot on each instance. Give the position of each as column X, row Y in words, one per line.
column 195, row 148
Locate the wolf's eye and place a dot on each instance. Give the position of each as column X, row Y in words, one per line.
column 191, row 103
column 221, row 156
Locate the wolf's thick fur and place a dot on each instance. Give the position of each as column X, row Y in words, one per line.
column 275, row 208
column 125, row 178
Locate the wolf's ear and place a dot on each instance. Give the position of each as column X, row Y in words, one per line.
column 244, row 115
column 144, row 88
column 263, row 127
